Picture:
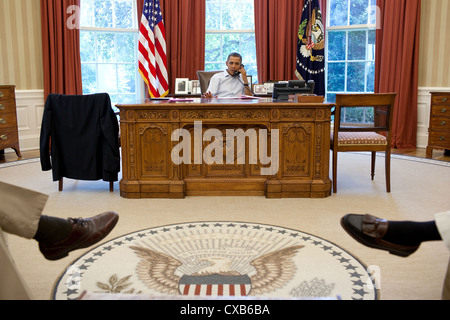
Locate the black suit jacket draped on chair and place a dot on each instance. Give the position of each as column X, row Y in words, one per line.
column 82, row 133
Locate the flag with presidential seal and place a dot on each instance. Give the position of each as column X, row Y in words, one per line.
column 311, row 46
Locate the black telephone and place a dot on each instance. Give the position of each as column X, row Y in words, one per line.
column 237, row 73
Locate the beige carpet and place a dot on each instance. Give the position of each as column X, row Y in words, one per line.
column 419, row 190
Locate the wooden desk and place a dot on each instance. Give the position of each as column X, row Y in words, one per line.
column 149, row 172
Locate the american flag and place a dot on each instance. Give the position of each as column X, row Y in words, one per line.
column 152, row 50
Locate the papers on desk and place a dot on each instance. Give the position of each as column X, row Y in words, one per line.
column 243, row 97
column 248, row 97
column 181, row 99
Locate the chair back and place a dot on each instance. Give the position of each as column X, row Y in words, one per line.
column 378, row 106
column 84, row 135
column 205, row 77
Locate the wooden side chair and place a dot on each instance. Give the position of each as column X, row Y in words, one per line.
column 373, row 137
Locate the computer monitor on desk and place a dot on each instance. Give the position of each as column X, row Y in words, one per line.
column 282, row 91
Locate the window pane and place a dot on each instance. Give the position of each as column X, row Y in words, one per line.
column 106, row 47
column 230, row 19
column 370, row 77
column 230, row 44
column 87, row 40
column 126, row 77
column 103, row 14
column 214, row 66
column 331, row 98
column 87, row 13
column 236, row 15
column 353, row 115
column 336, row 77
column 356, row 76
column 358, row 115
column 357, row 45
column 108, row 74
column 127, row 98
column 247, row 16
column 123, row 14
column 248, row 48
column 336, row 45
column 371, row 45
column 359, row 12
column 213, row 48
column 89, row 76
column 339, row 13
column 126, row 51
column 373, row 12
column 213, row 10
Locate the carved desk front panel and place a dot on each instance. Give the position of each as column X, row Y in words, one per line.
column 225, row 147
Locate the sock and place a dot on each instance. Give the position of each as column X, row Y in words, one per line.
column 51, row 229
column 411, row 233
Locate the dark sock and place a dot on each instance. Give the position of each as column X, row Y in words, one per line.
column 52, row 229
column 411, row 233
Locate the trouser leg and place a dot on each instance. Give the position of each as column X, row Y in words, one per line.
column 20, row 210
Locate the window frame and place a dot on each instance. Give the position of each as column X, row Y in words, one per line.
column 223, row 32
column 96, row 31
column 367, row 28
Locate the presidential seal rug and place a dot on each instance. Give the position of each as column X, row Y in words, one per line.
column 230, row 259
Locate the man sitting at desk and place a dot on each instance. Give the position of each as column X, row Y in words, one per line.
column 231, row 82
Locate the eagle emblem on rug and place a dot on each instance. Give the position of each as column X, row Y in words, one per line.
column 272, row 271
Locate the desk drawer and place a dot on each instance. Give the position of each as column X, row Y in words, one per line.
column 8, row 120
column 7, row 106
column 441, row 99
column 6, row 95
column 440, row 111
column 440, row 138
column 440, row 123
column 8, row 137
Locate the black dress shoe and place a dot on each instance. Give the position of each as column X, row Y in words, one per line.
column 85, row 233
column 369, row 231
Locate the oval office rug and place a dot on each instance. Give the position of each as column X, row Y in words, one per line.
column 219, row 259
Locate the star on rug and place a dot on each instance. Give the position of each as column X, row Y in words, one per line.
column 219, row 259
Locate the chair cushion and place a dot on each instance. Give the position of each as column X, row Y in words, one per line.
column 360, row 138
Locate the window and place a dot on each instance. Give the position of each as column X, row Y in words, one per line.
column 351, row 28
column 230, row 27
column 108, row 40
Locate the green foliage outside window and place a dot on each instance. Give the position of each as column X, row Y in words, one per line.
column 351, row 52
column 230, row 27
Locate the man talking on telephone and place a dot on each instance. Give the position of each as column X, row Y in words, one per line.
column 230, row 83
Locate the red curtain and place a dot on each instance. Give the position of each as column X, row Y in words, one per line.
column 397, row 64
column 276, row 28
column 61, row 47
column 185, row 37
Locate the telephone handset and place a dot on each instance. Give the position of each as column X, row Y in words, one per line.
column 237, row 73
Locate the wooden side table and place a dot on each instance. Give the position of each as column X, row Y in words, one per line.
column 439, row 129
column 9, row 134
